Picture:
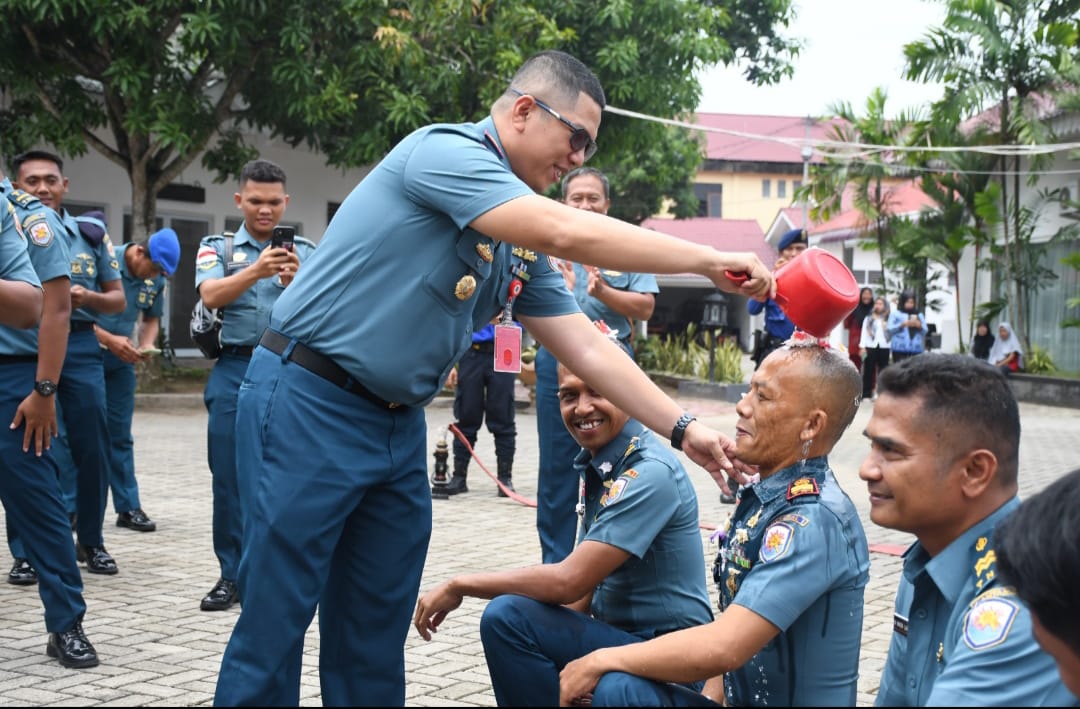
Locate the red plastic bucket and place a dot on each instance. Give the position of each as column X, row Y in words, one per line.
column 816, row 291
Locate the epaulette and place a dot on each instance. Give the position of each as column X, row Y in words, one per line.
column 801, row 487
column 984, row 568
column 24, row 199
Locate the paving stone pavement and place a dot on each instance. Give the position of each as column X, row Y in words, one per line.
column 158, row 649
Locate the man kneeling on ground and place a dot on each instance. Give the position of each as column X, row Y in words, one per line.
column 637, row 571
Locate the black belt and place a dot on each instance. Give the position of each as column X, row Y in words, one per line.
column 237, row 350
column 484, row 346
column 81, row 325
column 20, row 359
column 323, row 366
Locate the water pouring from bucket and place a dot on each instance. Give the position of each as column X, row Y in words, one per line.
column 815, row 290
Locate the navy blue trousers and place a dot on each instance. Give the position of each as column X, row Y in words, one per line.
column 220, row 400
column 30, row 492
column 484, row 395
column 337, row 516
column 557, row 484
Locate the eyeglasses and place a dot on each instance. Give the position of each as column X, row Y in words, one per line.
column 579, row 137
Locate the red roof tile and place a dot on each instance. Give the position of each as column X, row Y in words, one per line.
column 748, row 137
column 721, row 234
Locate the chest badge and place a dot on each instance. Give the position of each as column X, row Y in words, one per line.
column 239, row 257
column 485, row 252
column 465, row 288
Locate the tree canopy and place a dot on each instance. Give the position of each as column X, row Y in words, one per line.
column 154, row 84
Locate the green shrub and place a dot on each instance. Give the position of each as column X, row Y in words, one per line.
column 683, row 355
column 1039, row 361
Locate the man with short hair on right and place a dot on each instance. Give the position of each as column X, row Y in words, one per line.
column 1038, row 554
column 792, row 569
column 943, row 461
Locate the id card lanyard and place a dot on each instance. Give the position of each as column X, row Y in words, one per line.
column 508, row 335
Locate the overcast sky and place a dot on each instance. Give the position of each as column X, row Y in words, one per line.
column 850, row 47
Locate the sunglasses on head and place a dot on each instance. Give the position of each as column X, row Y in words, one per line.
column 579, row 137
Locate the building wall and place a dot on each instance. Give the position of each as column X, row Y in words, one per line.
column 743, row 197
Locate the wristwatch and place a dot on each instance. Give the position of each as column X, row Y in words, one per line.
column 679, row 431
column 45, row 387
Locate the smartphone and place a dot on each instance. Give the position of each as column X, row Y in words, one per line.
column 283, row 237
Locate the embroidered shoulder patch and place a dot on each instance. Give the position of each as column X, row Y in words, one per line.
column 37, row 228
column 206, row 258
column 777, row 541
column 802, row 486
column 988, row 622
column 614, row 492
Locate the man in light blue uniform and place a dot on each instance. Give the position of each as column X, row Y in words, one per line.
column 434, row 242
column 143, row 269
column 247, row 287
column 95, row 290
column 792, row 568
column 636, row 572
column 30, row 365
column 614, row 297
column 943, row 460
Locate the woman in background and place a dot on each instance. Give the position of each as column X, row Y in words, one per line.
column 982, row 342
column 854, row 324
column 1006, row 354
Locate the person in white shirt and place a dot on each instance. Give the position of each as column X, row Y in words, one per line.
column 874, row 345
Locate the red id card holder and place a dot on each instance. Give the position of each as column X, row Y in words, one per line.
column 508, row 348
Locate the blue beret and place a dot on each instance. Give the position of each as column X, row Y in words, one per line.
column 164, row 247
column 795, row 236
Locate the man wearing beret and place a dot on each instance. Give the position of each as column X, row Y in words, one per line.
column 143, row 270
column 778, row 327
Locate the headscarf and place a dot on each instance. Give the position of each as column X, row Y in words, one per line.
column 858, row 315
column 901, row 305
column 1002, row 348
column 982, row 344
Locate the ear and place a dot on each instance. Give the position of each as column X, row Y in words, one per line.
column 519, row 112
column 977, row 470
column 814, row 425
column 238, row 199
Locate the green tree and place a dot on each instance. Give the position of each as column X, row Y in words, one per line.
column 868, row 178
column 1002, row 53
column 154, row 84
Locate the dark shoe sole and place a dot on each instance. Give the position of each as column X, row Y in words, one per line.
column 104, row 572
column 137, row 527
column 456, row 491
column 71, row 664
column 205, row 606
column 22, row 581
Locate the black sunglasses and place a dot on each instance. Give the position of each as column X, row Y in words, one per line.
column 579, row 137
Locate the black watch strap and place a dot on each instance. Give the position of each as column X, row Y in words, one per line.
column 45, row 387
column 679, row 431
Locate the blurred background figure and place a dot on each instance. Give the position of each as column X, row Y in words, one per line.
column 854, row 325
column 907, row 328
column 874, row 345
column 982, row 342
column 1006, row 354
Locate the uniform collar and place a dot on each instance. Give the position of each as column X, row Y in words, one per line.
column 951, row 569
column 489, row 136
column 777, row 484
column 608, row 461
column 243, row 236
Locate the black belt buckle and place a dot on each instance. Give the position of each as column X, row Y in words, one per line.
column 81, row 325
column 322, row 366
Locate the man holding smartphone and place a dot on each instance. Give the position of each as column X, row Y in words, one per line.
column 261, row 266
column 143, row 270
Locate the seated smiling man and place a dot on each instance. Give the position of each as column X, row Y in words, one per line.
column 793, row 564
column 637, row 571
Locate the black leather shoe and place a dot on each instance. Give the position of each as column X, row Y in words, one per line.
column 221, row 597
column 97, row 560
column 456, row 485
column 136, row 519
column 509, row 486
column 22, row 573
column 72, row 648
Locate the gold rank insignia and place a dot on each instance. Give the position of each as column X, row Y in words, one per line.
column 465, row 287
column 525, row 254
column 485, row 252
column 613, row 274
column 732, row 584
column 802, row 486
column 980, row 544
column 752, row 522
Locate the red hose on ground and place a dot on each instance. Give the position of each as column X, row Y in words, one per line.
column 513, row 495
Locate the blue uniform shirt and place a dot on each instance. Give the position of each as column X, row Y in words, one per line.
column 14, row 261
column 395, row 303
column 777, row 323
column 91, row 265
column 638, row 498
column 795, row 553
column 960, row 638
column 247, row 316
column 45, row 246
column 902, row 339
column 597, row 310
